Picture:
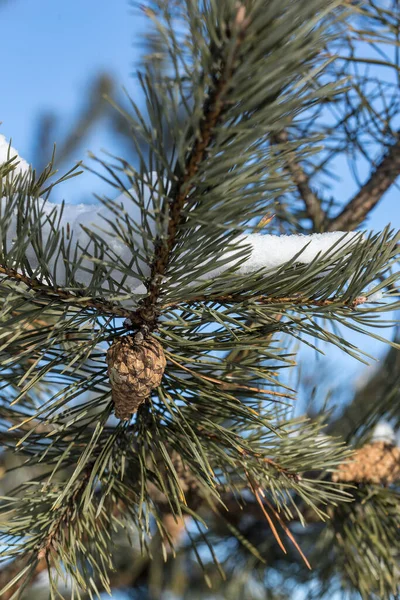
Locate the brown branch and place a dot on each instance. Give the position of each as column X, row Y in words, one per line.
column 54, row 293
column 297, row 174
column 66, row 517
column 385, row 174
column 367, row 397
column 213, row 109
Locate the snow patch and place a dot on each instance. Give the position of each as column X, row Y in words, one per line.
column 7, row 152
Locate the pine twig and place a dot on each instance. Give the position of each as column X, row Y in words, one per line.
column 268, row 300
column 385, row 174
column 297, row 174
column 213, row 109
column 54, row 293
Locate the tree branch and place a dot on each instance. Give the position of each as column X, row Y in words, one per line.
column 367, row 397
column 311, row 201
column 385, row 174
column 54, row 293
column 268, row 300
column 213, row 109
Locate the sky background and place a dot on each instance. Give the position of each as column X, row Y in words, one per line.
column 51, row 50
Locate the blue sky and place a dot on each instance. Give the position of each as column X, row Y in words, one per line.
column 51, row 51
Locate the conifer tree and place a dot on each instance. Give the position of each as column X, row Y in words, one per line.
column 146, row 339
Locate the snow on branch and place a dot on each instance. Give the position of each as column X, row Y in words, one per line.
column 7, row 152
column 273, row 251
column 265, row 251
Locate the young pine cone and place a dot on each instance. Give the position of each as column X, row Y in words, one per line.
column 378, row 462
column 135, row 368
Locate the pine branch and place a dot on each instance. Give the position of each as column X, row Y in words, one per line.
column 229, row 174
column 212, row 111
column 385, row 174
column 54, row 293
column 31, row 564
column 276, row 471
column 310, row 199
column 267, row 300
column 101, row 88
column 65, row 517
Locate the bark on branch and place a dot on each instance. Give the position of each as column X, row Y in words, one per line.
column 385, row 174
column 357, row 209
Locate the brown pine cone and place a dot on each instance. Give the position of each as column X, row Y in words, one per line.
column 378, row 462
column 135, row 368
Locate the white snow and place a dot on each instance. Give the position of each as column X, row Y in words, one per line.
column 90, row 216
column 266, row 251
column 273, row 251
column 7, row 153
column 383, row 432
column 376, row 297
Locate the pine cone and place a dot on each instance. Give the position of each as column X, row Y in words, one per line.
column 377, row 463
column 135, row 368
